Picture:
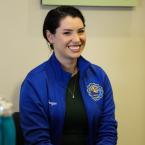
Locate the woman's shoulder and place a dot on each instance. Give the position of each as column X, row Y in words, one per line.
column 37, row 72
column 90, row 68
column 97, row 68
column 97, row 71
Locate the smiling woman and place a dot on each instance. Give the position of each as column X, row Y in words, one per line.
column 68, row 41
column 67, row 100
column 91, row 2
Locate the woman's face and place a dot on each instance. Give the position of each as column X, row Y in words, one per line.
column 69, row 39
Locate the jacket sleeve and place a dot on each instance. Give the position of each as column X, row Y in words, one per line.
column 107, row 134
column 34, row 119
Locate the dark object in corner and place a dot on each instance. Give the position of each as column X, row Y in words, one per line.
column 19, row 135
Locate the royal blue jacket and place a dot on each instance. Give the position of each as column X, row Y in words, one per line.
column 42, row 103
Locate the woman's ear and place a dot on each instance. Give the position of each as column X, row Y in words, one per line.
column 49, row 36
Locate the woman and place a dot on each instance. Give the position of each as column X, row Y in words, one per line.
column 67, row 100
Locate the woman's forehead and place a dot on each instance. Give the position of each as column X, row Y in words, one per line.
column 69, row 21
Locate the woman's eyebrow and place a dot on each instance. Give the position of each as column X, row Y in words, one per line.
column 72, row 29
column 67, row 29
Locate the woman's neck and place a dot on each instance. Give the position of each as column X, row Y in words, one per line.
column 69, row 65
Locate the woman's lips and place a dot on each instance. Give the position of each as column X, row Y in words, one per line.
column 74, row 47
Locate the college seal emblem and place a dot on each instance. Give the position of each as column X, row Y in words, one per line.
column 95, row 91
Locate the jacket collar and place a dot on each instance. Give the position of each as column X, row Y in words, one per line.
column 54, row 67
column 83, row 65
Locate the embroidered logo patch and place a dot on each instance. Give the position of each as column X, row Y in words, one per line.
column 95, row 91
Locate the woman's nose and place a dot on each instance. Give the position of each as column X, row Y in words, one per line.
column 76, row 37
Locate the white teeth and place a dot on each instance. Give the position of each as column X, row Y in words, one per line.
column 74, row 47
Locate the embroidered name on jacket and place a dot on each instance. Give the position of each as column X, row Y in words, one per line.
column 95, row 91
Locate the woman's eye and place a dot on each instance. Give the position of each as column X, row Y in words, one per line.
column 67, row 33
column 81, row 31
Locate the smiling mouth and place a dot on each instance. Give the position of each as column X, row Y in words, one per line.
column 74, row 47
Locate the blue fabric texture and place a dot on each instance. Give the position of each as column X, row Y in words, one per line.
column 42, row 103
